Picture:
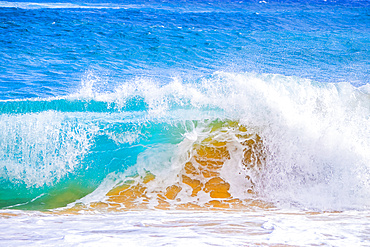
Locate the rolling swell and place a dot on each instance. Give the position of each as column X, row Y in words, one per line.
column 182, row 145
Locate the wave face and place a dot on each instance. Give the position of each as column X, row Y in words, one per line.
column 199, row 105
column 229, row 141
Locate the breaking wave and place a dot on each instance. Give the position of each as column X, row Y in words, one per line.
column 228, row 140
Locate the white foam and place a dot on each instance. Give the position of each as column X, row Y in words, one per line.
column 181, row 228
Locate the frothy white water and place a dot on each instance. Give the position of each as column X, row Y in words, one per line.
column 317, row 137
column 181, row 228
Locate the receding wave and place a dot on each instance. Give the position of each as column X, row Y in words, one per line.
column 227, row 141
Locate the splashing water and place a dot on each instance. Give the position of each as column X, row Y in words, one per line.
column 231, row 137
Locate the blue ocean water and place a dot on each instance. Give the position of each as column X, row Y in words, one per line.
column 47, row 48
column 93, row 90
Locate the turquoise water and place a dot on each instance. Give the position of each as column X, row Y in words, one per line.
column 91, row 91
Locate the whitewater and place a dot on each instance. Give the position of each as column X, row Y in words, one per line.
column 206, row 123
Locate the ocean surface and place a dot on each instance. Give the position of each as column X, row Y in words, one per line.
column 177, row 123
